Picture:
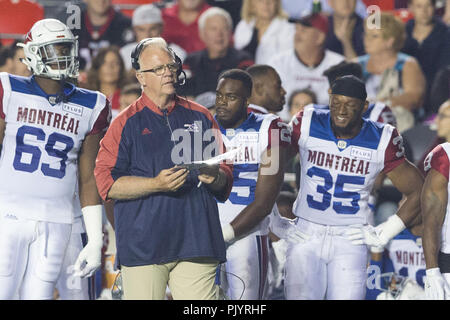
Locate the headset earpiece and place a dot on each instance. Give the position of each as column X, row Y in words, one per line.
column 137, row 52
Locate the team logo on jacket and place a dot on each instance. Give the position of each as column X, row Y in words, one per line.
column 191, row 127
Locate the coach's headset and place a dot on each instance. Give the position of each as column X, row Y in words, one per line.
column 137, row 52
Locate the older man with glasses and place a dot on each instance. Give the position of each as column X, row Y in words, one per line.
column 166, row 219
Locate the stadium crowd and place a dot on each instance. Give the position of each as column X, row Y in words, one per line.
column 294, row 51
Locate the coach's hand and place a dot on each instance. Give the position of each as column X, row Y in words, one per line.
column 89, row 260
column 170, row 180
column 209, row 174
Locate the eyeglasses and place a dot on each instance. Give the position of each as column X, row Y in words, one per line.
column 159, row 71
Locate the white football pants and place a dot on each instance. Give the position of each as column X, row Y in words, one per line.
column 70, row 287
column 244, row 275
column 31, row 257
column 327, row 266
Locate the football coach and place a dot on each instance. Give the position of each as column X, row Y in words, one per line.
column 166, row 219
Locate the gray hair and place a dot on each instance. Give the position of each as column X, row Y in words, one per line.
column 214, row 11
column 156, row 42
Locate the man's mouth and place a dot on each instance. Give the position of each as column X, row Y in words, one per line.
column 341, row 119
column 221, row 112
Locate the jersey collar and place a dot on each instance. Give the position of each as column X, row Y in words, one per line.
column 145, row 101
column 68, row 90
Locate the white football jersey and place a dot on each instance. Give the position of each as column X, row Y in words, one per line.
column 43, row 137
column 337, row 175
column 252, row 138
column 407, row 257
column 296, row 75
column 438, row 159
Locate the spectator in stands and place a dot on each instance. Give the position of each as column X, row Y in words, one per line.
column 428, row 40
column 181, row 24
column 259, row 32
column 268, row 94
column 130, row 93
column 440, row 90
column 392, row 77
column 442, row 122
column 147, row 22
column 233, row 8
column 304, row 7
column 346, row 33
column 6, row 60
column 11, row 60
column 299, row 99
column 203, row 67
column 446, row 16
column 303, row 66
column 101, row 26
column 107, row 75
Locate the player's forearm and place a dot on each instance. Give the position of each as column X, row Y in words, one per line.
column 249, row 218
column 430, row 242
column 88, row 192
column 432, row 209
column 410, row 209
column 132, row 187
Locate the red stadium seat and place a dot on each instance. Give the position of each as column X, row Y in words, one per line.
column 16, row 19
column 127, row 6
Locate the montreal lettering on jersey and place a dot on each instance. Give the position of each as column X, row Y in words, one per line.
column 343, row 164
column 245, row 154
column 410, row 258
column 48, row 118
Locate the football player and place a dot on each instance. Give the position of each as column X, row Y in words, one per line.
column 257, row 177
column 341, row 154
column 50, row 132
column 435, row 212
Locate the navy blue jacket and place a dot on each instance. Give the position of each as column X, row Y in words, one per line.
column 166, row 226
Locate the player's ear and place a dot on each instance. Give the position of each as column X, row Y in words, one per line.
column 366, row 106
column 258, row 88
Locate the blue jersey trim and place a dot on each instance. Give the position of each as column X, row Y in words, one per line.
column 368, row 137
column 366, row 115
column 406, row 235
column 27, row 85
column 253, row 121
column 85, row 98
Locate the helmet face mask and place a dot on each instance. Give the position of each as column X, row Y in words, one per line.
column 397, row 287
column 51, row 50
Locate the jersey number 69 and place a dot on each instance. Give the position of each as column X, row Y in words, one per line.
column 36, row 152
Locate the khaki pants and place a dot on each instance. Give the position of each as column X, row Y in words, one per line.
column 187, row 279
